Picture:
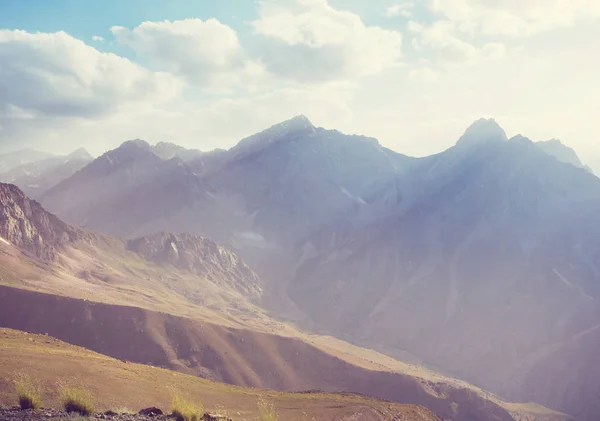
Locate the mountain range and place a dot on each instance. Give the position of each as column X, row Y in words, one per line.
column 36, row 172
column 481, row 262
column 185, row 303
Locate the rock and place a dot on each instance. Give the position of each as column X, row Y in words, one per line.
column 211, row 416
column 151, row 412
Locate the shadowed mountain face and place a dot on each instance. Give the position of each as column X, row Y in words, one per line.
column 482, row 260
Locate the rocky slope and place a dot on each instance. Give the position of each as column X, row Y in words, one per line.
column 200, row 256
column 193, row 267
column 25, row 224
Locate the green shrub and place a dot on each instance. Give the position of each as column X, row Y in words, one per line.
column 185, row 410
column 76, row 400
column 28, row 392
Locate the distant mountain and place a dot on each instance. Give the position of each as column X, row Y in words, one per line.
column 37, row 177
column 80, row 154
column 271, row 187
column 493, row 244
column 128, row 166
column 12, row 160
column 563, row 153
column 479, row 260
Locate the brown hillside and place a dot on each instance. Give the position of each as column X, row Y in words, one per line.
column 234, row 356
column 116, row 384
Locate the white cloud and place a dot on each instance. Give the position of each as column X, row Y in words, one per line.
column 441, row 37
column 514, row 18
column 206, row 53
column 218, row 123
column 97, row 38
column 424, row 74
column 310, row 41
column 494, row 50
column 401, row 9
column 54, row 74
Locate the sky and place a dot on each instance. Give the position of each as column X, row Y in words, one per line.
column 204, row 74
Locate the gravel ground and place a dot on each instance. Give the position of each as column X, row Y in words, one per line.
column 16, row 414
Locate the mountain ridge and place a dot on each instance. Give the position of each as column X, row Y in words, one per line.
column 348, row 236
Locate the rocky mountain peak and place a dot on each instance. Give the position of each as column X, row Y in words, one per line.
column 135, row 144
column 299, row 122
column 25, row 224
column 481, row 131
column 80, row 154
column 292, row 129
column 130, row 150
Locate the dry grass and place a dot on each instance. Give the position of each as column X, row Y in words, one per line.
column 28, row 391
column 141, row 386
column 266, row 410
column 76, row 400
column 186, row 410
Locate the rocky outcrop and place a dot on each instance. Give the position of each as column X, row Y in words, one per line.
column 200, row 256
column 25, row 224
